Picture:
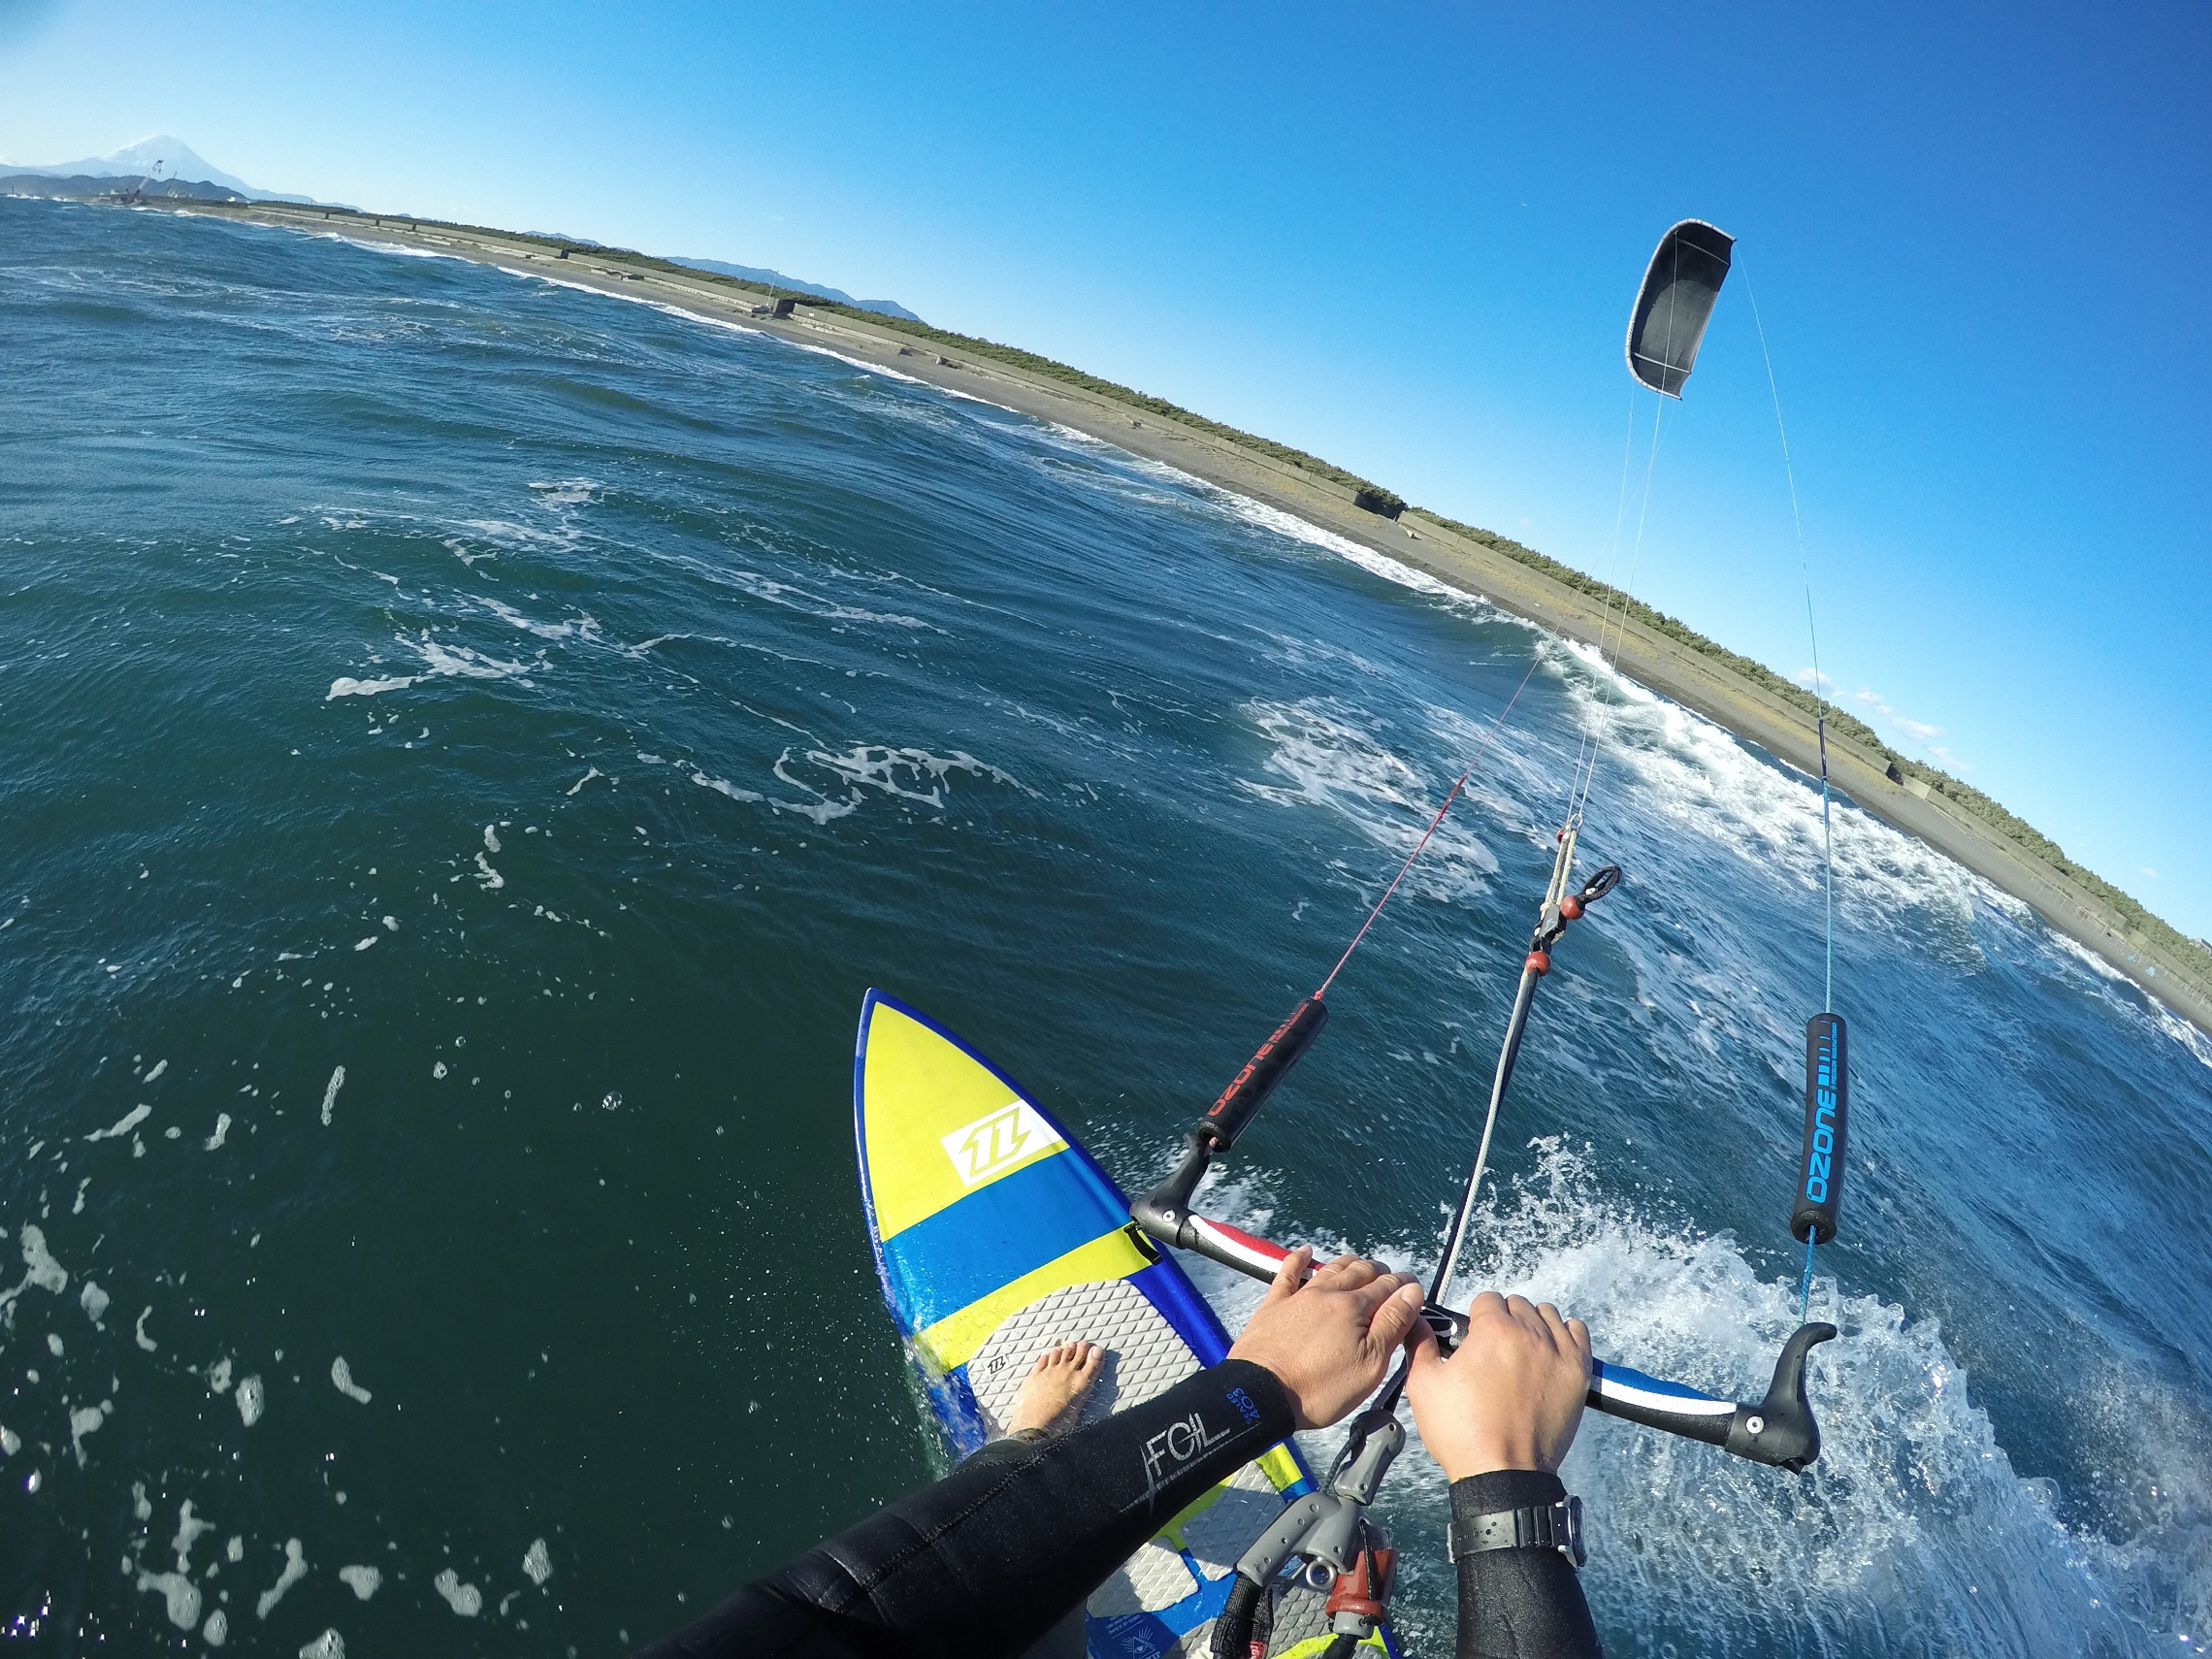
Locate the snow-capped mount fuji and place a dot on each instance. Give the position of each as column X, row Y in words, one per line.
column 174, row 158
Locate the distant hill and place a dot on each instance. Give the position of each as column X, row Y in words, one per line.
column 778, row 280
column 168, row 158
column 166, row 166
column 80, row 186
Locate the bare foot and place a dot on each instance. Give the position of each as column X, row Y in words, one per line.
column 1055, row 1387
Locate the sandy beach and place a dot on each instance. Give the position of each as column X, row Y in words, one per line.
column 1699, row 683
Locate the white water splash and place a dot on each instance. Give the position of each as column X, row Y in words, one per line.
column 190, row 1529
column 465, row 1600
column 85, row 1420
column 565, row 492
column 581, row 628
column 122, row 1125
column 345, row 686
column 294, row 1568
column 40, row 1269
column 440, row 660
column 723, row 786
column 341, row 1376
column 1911, row 1534
column 800, row 599
column 1327, row 755
column 908, row 773
column 180, row 1597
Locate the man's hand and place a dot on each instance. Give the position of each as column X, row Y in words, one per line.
column 1510, row 1397
column 1330, row 1338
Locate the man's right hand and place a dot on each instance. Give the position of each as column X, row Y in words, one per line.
column 1510, row 1397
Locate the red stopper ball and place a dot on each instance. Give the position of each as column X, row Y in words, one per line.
column 1570, row 907
column 1539, row 963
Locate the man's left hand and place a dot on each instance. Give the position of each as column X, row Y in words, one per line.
column 1330, row 1338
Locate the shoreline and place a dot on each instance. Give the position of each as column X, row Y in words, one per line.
column 1745, row 710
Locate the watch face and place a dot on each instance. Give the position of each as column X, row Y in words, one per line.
column 1573, row 1548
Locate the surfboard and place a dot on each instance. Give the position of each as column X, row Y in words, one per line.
column 997, row 1236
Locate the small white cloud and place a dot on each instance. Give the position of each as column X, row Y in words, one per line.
column 1919, row 730
column 1813, row 680
column 2153, row 874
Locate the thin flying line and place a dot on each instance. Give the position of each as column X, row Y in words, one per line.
column 1450, row 796
column 1819, row 684
column 1819, row 691
column 1579, row 796
column 1587, row 734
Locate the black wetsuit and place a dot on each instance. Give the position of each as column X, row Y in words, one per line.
column 986, row 1561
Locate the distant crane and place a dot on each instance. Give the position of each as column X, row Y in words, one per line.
column 137, row 192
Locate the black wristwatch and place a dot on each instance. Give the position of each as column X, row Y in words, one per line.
column 1539, row 1526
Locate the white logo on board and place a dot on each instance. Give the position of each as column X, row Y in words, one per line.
column 997, row 1140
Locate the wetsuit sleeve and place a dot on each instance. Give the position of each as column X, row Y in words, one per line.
column 989, row 1559
column 1518, row 1603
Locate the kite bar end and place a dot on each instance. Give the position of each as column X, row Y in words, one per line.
column 1780, row 1430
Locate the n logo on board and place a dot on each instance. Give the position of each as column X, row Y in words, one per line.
column 997, row 1141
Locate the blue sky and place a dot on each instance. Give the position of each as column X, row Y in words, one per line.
column 1405, row 238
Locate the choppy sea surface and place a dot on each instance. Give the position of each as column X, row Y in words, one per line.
column 471, row 743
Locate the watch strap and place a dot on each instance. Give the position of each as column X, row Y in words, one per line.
column 1532, row 1526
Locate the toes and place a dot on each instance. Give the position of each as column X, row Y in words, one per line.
column 1084, row 1357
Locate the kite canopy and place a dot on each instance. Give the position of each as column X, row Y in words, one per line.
column 1676, row 302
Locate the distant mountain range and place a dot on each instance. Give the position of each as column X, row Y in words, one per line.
column 171, row 167
column 82, row 188
column 778, row 280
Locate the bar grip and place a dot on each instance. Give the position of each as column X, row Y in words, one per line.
column 1248, row 1090
column 1780, row 1431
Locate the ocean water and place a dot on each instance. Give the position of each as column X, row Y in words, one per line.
column 470, row 744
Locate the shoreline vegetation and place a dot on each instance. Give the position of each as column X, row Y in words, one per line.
column 1745, row 697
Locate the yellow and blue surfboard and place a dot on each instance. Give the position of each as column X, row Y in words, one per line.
column 996, row 1236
